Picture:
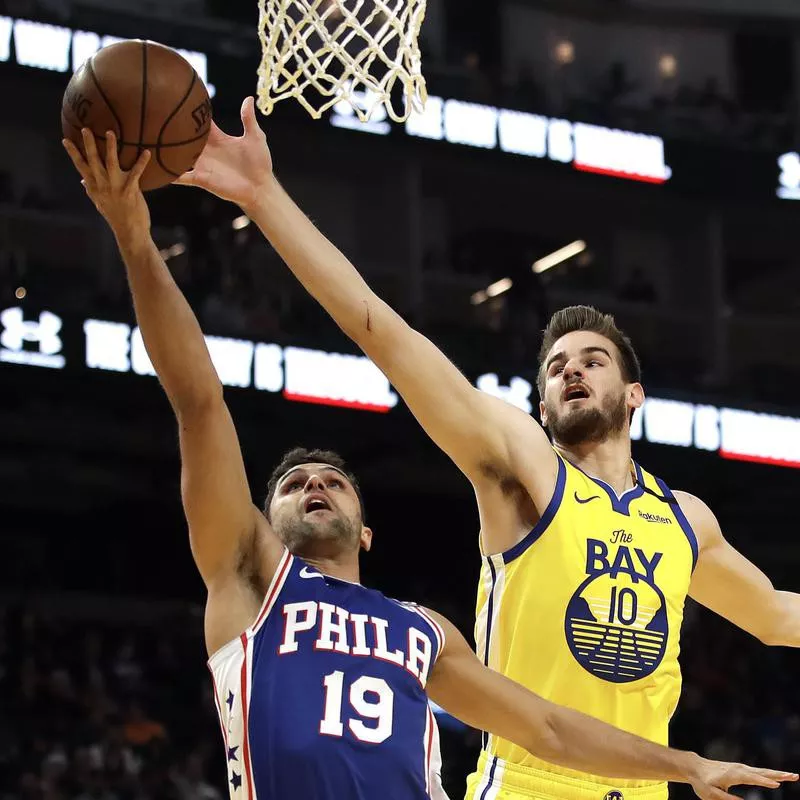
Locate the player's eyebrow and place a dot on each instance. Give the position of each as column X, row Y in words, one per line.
column 596, row 349
column 303, row 470
column 585, row 351
column 555, row 357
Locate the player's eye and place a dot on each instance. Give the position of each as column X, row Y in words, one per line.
column 293, row 484
column 335, row 482
column 594, row 363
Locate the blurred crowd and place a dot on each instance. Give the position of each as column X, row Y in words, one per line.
column 103, row 712
column 678, row 110
column 92, row 709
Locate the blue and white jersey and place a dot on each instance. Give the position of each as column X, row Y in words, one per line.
column 323, row 697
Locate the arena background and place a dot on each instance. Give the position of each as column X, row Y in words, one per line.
column 658, row 135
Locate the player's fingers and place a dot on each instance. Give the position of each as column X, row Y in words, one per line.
column 780, row 775
column 78, row 160
column 769, row 778
column 138, row 168
column 248, row 114
column 249, row 120
column 112, row 155
column 92, row 157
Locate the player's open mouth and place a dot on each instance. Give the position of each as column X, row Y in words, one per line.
column 575, row 392
column 316, row 503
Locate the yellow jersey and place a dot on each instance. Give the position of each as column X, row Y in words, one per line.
column 586, row 611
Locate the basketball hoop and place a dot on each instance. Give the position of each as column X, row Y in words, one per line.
column 322, row 52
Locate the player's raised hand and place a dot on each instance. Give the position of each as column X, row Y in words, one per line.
column 712, row 779
column 234, row 167
column 114, row 191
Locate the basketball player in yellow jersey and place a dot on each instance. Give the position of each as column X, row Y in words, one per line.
column 587, row 558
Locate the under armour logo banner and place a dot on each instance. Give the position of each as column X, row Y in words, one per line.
column 16, row 331
column 789, row 179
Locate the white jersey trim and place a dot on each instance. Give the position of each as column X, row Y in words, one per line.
column 486, row 623
column 491, row 780
column 437, row 629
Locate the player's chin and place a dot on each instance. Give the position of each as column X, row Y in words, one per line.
column 325, row 524
column 322, row 516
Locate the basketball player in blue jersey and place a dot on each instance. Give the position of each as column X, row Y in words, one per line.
column 321, row 684
column 587, row 558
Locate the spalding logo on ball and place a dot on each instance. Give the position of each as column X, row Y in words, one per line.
column 150, row 97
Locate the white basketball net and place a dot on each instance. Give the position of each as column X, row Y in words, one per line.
column 323, row 52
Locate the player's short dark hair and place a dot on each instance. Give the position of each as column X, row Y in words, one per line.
column 300, row 455
column 587, row 318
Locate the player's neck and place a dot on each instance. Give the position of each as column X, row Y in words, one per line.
column 609, row 460
column 342, row 568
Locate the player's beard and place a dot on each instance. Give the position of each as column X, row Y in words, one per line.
column 301, row 535
column 587, row 425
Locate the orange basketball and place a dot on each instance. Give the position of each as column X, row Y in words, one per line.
column 150, row 97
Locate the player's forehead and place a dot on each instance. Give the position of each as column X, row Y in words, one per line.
column 576, row 343
column 305, row 471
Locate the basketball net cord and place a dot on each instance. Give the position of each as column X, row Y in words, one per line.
column 341, row 50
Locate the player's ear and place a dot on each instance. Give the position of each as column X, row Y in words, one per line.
column 635, row 395
column 542, row 414
column 366, row 538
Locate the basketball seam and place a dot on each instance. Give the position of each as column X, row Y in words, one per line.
column 168, row 120
column 144, row 145
column 96, row 82
column 144, row 99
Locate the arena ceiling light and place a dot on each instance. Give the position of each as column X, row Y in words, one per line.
column 240, row 222
column 494, row 289
column 559, row 256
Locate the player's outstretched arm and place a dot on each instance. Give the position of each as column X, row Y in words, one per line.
column 487, row 700
column 733, row 587
column 475, row 430
column 215, row 492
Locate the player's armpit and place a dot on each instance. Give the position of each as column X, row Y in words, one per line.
column 216, row 496
column 733, row 587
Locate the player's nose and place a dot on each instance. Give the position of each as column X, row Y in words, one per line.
column 314, row 484
column 572, row 369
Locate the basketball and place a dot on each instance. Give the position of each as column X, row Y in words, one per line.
column 150, row 97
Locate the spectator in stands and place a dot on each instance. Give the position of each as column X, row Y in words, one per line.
column 139, row 729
